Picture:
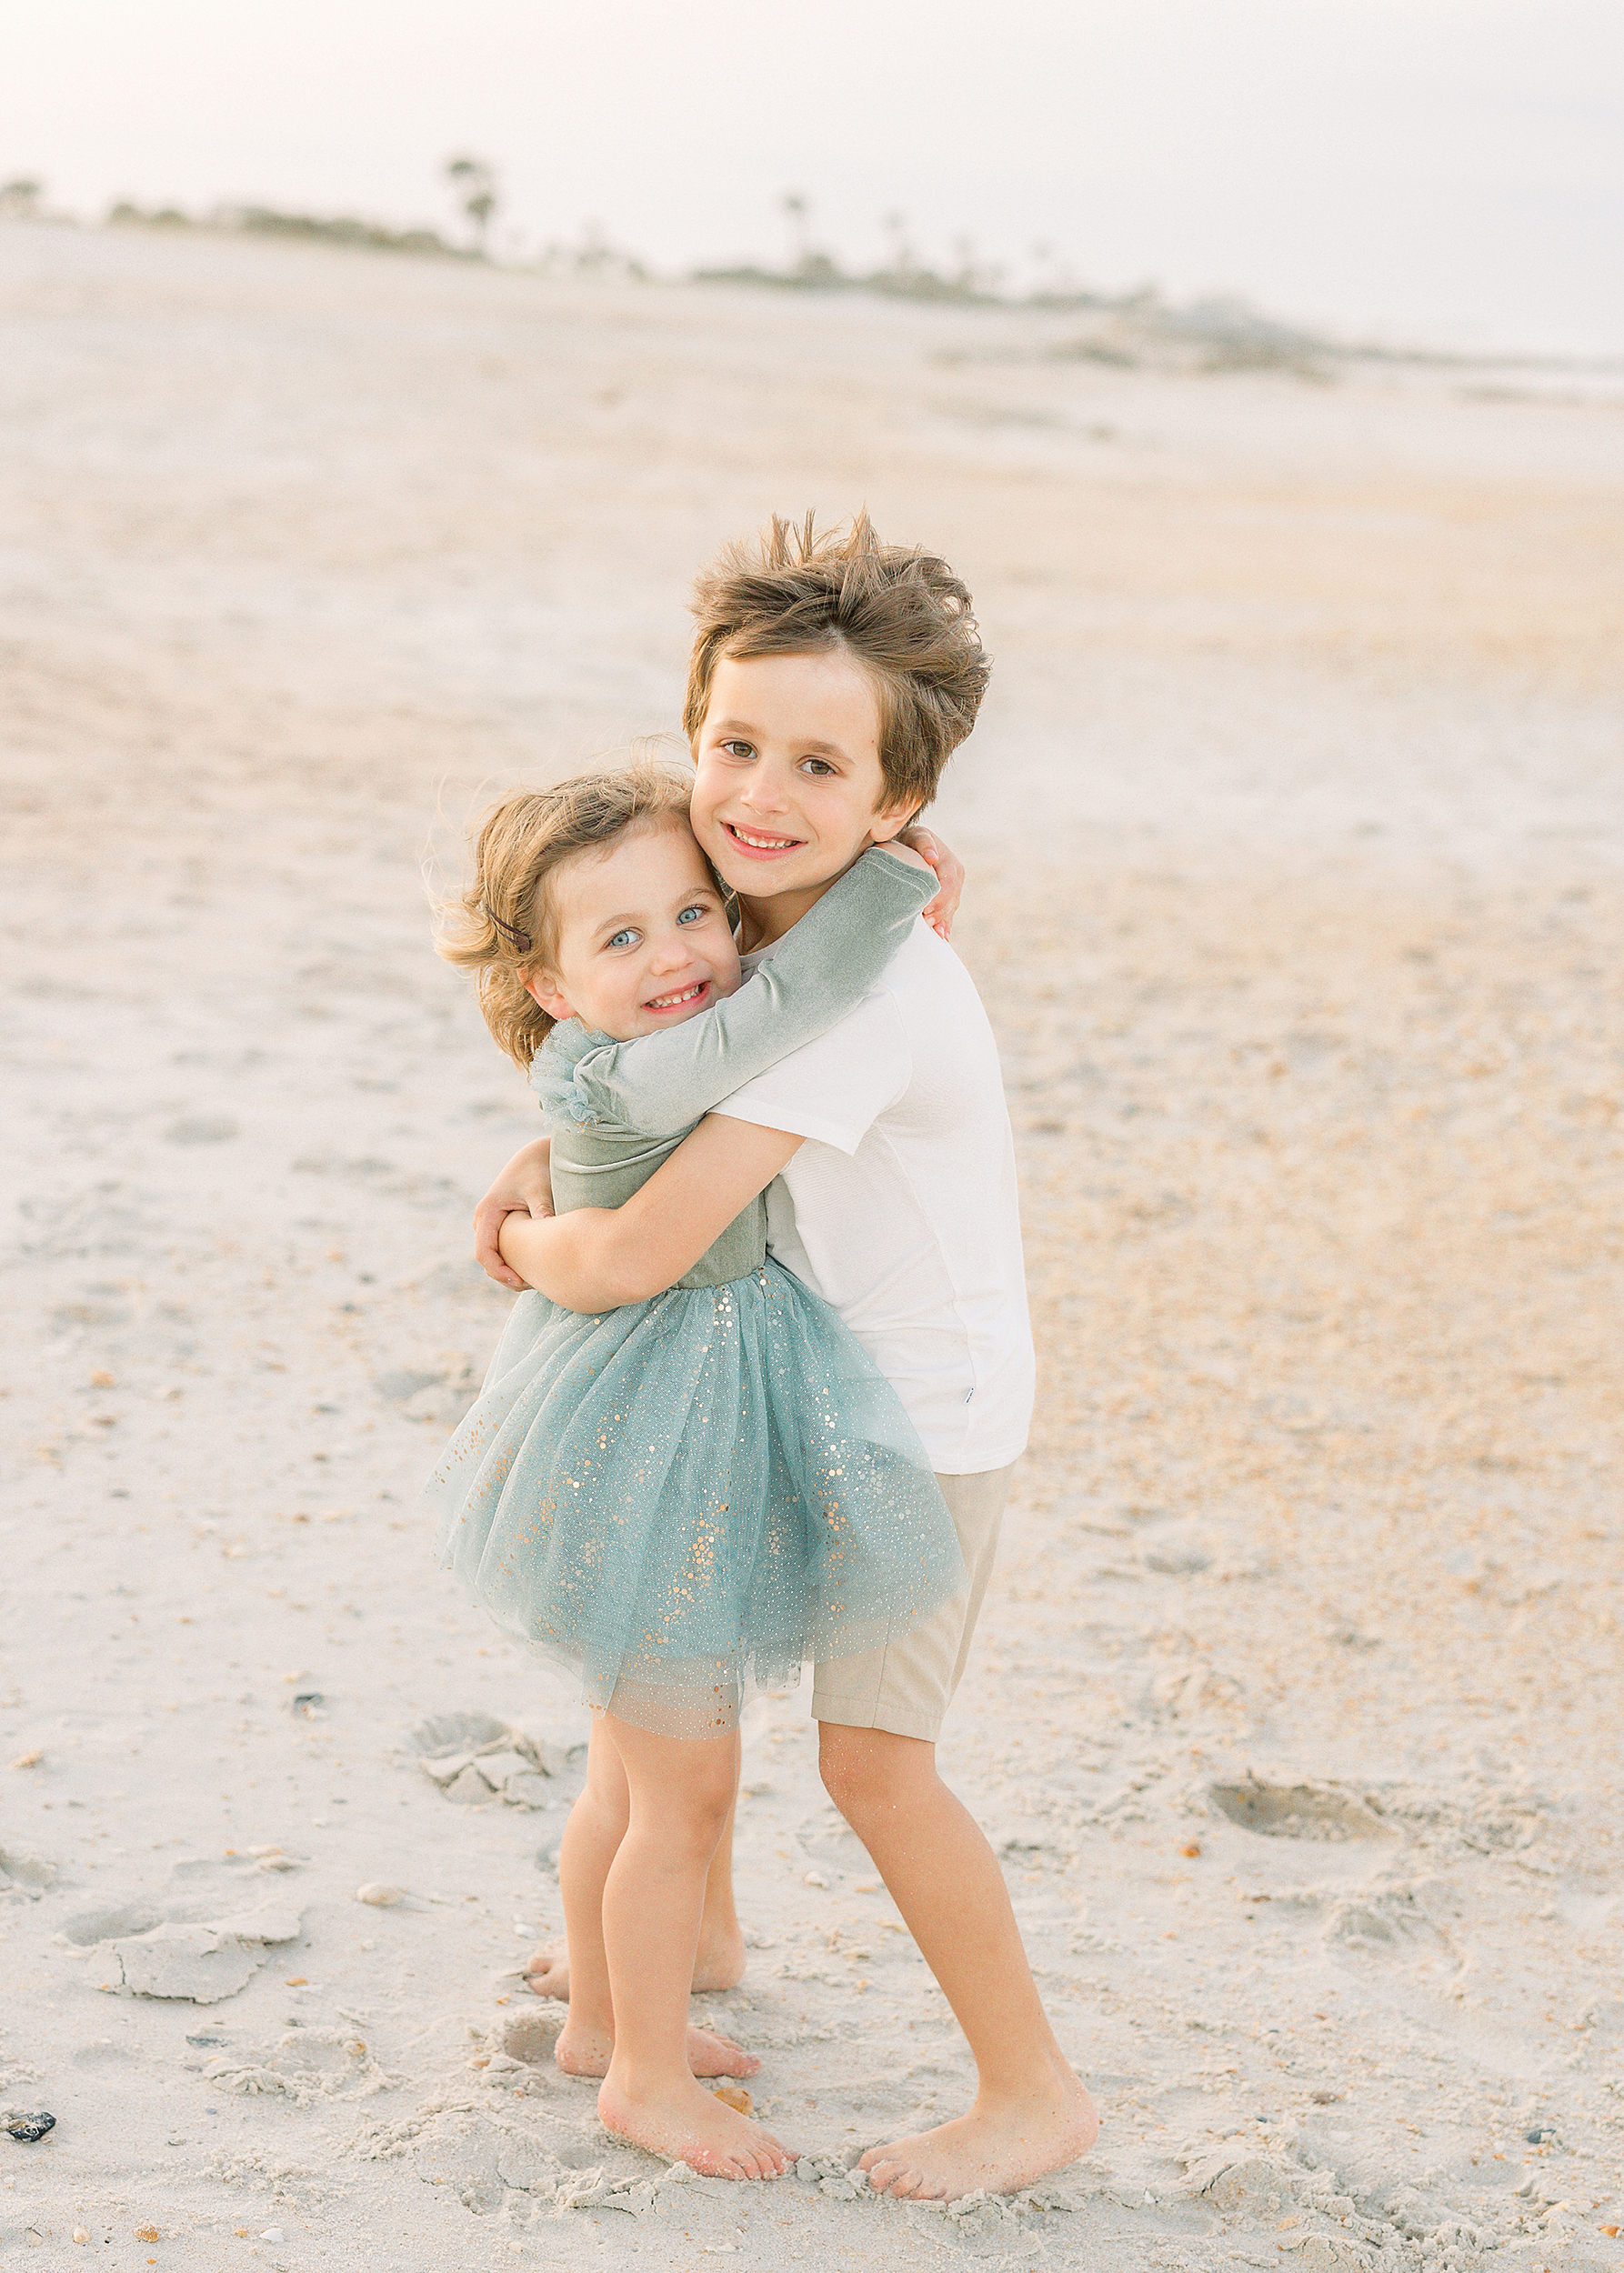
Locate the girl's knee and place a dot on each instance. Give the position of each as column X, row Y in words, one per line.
column 687, row 1794
column 690, row 1824
column 710, row 1795
column 606, row 1812
column 711, row 1819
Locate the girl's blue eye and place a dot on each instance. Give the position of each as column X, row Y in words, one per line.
column 692, row 916
column 621, row 939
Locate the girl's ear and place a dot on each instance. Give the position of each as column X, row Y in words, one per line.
column 542, row 986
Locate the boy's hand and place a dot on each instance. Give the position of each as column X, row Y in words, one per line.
column 524, row 1187
column 949, row 875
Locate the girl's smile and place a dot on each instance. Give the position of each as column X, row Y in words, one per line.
column 692, row 997
column 641, row 939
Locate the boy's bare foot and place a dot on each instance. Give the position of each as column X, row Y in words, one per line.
column 718, row 1964
column 684, row 2123
column 588, row 2052
column 1000, row 2145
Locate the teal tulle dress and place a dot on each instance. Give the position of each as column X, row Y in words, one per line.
column 687, row 1498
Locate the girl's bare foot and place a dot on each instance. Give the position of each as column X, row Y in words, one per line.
column 1000, row 2145
column 582, row 2051
column 546, row 1970
column 683, row 2121
column 719, row 1964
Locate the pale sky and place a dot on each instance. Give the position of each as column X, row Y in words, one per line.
column 1446, row 171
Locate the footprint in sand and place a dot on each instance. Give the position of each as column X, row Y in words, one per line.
column 1297, row 1811
column 476, row 1758
column 201, row 1938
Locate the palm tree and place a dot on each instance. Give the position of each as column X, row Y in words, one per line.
column 797, row 210
column 473, row 184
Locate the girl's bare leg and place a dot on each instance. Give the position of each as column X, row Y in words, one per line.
column 719, row 1961
column 680, row 1790
column 597, row 1826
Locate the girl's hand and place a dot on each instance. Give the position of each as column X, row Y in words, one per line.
column 524, row 1187
column 909, row 858
column 949, row 875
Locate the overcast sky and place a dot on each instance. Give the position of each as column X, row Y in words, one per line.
column 1446, row 170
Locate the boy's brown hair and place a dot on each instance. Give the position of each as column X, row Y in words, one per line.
column 898, row 611
column 500, row 926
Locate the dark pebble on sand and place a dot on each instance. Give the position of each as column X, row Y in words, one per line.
column 28, row 2127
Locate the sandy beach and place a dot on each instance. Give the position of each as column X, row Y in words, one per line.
column 1294, row 826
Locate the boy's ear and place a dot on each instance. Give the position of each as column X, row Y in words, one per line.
column 542, row 986
column 890, row 821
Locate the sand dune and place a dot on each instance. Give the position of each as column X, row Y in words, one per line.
column 1294, row 832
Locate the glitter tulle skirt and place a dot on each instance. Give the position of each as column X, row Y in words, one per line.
column 686, row 1498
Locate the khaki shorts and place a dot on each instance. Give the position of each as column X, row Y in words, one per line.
column 907, row 1686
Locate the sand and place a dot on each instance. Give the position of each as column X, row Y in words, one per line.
column 1293, row 832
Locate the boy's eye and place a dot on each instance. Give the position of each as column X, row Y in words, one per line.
column 816, row 766
column 738, row 750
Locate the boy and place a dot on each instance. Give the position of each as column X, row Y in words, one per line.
column 831, row 679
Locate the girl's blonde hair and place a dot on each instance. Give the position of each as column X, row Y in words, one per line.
column 501, row 926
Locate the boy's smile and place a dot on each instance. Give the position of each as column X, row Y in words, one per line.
column 755, row 842
column 788, row 787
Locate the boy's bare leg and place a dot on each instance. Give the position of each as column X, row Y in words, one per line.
column 1030, row 2114
column 680, row 1790
column 592, row 1837
column 721, row 1961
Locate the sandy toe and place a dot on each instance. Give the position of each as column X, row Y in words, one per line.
column 684, row 2123
column 994, row 2149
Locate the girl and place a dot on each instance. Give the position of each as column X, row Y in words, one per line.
column 677, row 1497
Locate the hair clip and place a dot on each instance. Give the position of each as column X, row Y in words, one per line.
column 511, row 932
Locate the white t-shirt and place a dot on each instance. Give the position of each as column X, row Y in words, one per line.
column 900, row 1209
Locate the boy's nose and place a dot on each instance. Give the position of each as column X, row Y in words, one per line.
column 764, row 793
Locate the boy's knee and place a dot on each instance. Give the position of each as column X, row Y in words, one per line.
column 868, row 1772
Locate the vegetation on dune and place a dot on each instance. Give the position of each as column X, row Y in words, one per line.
column 473, row 184
column 1138, row 329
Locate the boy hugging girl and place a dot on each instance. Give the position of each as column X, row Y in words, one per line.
column 762, row 1397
